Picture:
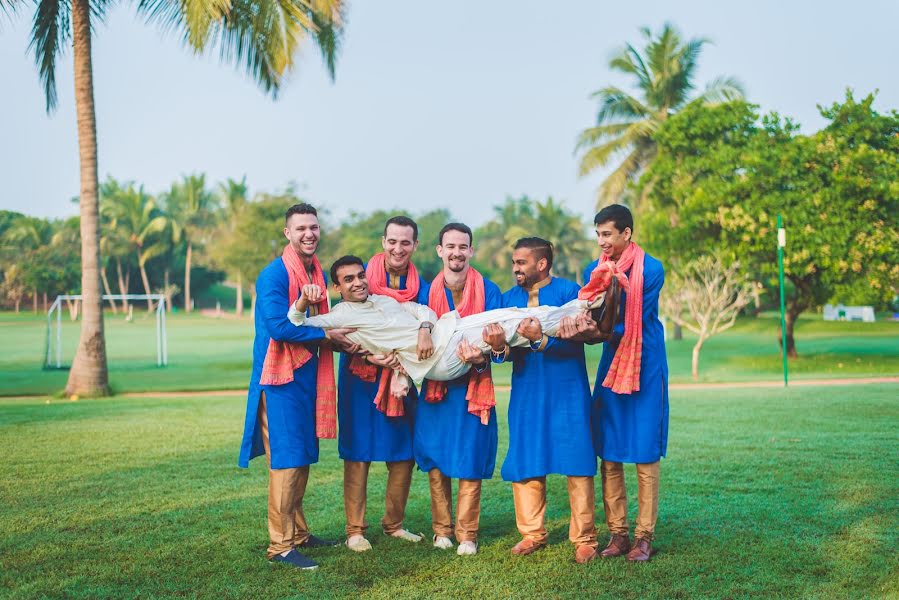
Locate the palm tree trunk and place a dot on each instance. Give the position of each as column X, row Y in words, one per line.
column 123, row 286
column 239, row 307
column 108, row 290
column 187, row 306
column 34, row 300
column 45, row 302
column 145, row 280
column 89, row 375
column 253, row 300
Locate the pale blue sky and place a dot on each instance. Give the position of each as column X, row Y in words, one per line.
column 436, row 104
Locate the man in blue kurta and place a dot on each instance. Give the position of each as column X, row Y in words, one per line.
column 281, row 419
column 366, row 433
column 630, row 421
column 549, row 409
column 452, row 442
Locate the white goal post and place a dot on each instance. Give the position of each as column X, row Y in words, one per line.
column 54, row 343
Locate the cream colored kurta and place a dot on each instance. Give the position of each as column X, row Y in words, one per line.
column 384, row 325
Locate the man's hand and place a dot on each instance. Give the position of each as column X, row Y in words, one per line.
column 309, row 294
column 531, row 329
column 469, row 354
column 579, row 329
column 388, row 361
column 425, row 344
column 338, row 337
column 495, row 337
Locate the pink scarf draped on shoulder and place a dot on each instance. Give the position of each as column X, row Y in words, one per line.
column 480, row 395
column 376, row 274
column 624, row 372
column 283, row 358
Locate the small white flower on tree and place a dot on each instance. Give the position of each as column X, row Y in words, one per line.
column 705, row 296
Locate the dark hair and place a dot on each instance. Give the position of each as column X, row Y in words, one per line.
column 616, row 213
column 542, row 248
column 402, row 221
column 460, row 227
column 343, row 261
column 300, row 209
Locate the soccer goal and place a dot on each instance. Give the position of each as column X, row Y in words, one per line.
column 54, row 320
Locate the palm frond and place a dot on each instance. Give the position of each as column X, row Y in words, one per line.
column 50, row 32
column 615, row 103
column 613, row 187
column 593, row 135
column 598, row 156
column 721, row 90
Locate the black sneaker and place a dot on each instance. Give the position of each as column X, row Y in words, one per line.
column 295, row 559
column 316, row 542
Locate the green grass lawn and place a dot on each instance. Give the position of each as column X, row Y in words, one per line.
column 214, row 354
column 765, row 493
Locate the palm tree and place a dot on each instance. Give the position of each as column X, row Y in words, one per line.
column 192, row 209
column 625, row 123
column 233, row 195
column 262, row 35
column 138, row 222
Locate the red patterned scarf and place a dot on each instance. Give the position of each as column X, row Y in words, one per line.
column 376, row 274
column 624, row 372
column 283, row 358
column 480, row 395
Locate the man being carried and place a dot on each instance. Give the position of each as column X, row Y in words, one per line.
column 379, row 432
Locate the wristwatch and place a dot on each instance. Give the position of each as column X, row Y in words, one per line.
column 426, row 325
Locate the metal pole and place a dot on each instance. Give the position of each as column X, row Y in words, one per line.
column 58, row 333
column 781, row 244
column 158, row 338
column 165, row 346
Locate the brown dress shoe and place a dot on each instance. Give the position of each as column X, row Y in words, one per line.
column 583, row 554
column 525, row 547
column 641, row 551
column 619, row 544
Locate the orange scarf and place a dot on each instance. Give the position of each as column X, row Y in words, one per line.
column 480, row 395
column 376, row 274
column 283, row 358
column 624, row 372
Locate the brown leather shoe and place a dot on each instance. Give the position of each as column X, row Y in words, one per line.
column 619, row 544
column 525, row 547
column 583, row 554
column 641, row 551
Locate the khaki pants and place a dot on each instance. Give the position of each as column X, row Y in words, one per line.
column 286, row 522
column 355, row 491
column 614, row 498
column 468, row 506
column 530, row 510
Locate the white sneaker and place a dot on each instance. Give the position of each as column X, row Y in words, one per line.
column 406, row 535
column 467, row 548
column 358, row 543
column 442, row 542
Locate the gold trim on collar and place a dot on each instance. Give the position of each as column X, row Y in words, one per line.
column 534, row 292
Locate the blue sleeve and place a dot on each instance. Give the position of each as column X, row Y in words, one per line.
column 653, row 280
column 493, row 299
column 272, row 303
column 589, row 270
column 424, row 290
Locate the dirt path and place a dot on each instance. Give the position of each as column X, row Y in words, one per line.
column 505, row 388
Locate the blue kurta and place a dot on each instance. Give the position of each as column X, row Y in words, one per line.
column 633, row 428
column 366, row 434
column 447, row 436
column 290, row 407
column 549, row 408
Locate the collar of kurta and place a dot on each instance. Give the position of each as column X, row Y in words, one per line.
column 534, row 292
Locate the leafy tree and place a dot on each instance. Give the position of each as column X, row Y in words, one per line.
column 263, row 35
column 525, row 217
column 625, row 124
column 722, row 175
column 192, row 209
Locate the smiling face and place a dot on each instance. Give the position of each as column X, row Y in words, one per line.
column 303, row 233
column 527, row 268
column 455, row 250
column 398, row 245
column 351, row 283
column 611, row 241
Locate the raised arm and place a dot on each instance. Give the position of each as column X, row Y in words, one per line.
column 272, row 303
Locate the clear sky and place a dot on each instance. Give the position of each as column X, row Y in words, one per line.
column 435, row 104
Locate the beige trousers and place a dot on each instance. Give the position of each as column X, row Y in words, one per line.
column 614, row 498
column 286, row 522
column 468, row 506
column 355, row 491
column 530, row 510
